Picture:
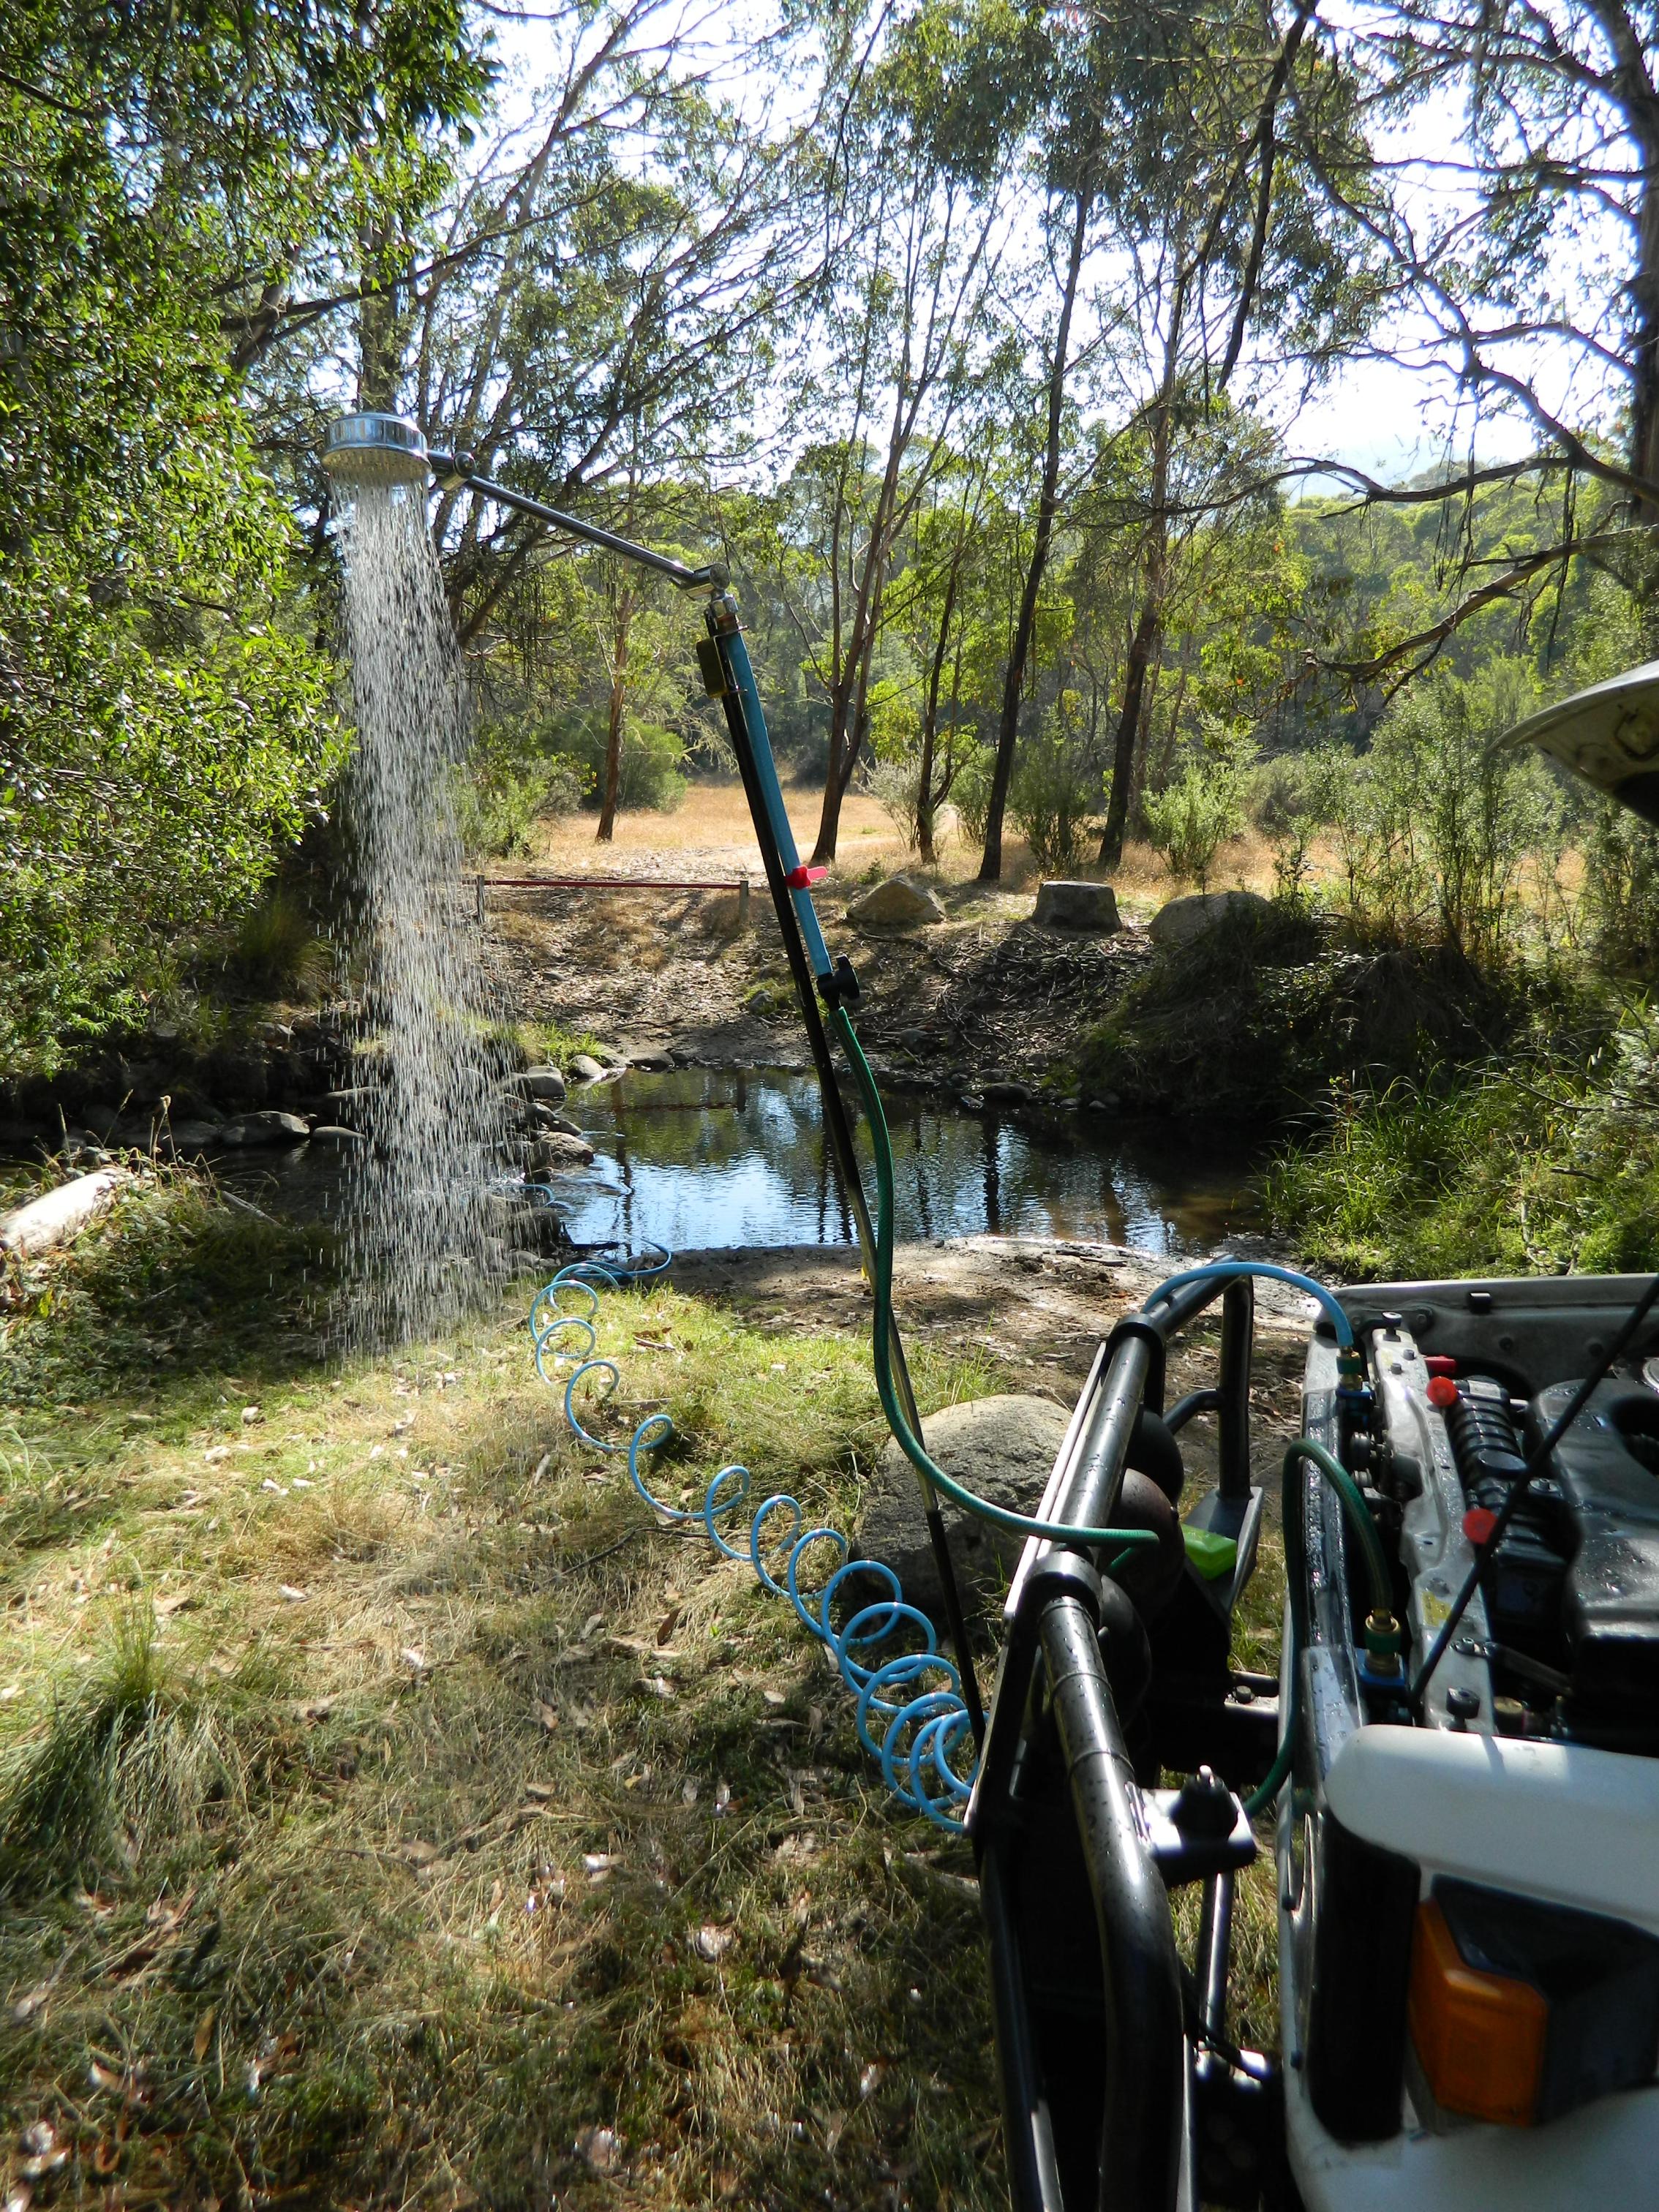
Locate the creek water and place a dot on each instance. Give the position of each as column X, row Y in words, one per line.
column 416, row 1213
column 704, row 1159
column 717, row 1159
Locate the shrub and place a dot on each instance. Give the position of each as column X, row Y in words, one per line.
column 970, row 792
column 1621, row 891
column 652, row 762
column 896, row 786
column 1191, row 819
column 496, row 802
column 1055, row 792
column 1435, row 826
column 1290, row 799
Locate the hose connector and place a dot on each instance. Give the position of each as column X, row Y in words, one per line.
column 1385, row 1646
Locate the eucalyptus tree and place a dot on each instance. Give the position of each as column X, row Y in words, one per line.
column 612, row 281
column 1511, row 188
column 904, row 348
column 1178, row 241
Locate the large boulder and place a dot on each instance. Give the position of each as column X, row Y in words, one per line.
column 1003, row 1448
column 1184, row 919
column 585, row 1069
column 896, row 904
column 1077, row 906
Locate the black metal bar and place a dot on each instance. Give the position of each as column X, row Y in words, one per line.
column 839, row 1132
column 1188, row 1408
column 452, row 472
column 1033, row 2176
column 1145, row 2042
column 1238, row 1341
column 1090, row 1497
column 1171, row 1315
column 1215, row 1942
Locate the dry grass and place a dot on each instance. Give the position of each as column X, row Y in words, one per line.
column 385, row 1804
column 390, row 1812
column 713, row 825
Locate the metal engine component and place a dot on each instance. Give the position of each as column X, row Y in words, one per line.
column 1424, row 1477
column 1606, row 1477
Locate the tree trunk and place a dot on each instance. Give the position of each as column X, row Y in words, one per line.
column 1128, row 727
column 613, row 733
column 926, row 798
column 990, row 867
column 1149, row 627
column 849, row 724
column 1633, row 85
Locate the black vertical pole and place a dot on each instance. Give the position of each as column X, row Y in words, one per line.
column 1238, row 1339
column 840, row 1137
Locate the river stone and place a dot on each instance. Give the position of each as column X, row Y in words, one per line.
column 331, row 1133
column 655, row 1059
column 1003, row 1448
column 1003, row 1093
column 1184, row 919
column 557, row 1150
column 542, row 1083
column 1077, row 906
column 896, row 904
column 585, row 1068
column 268, row 1126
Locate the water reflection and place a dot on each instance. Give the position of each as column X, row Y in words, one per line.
column 706, row 1159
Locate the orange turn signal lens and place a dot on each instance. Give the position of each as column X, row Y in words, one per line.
column 1479, row 2036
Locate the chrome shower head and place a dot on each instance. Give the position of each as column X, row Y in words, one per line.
column 375, row 449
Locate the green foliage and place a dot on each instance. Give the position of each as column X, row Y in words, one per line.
column 1055, row 793
column 895, row 787
column 970, row 794
column 1190, row 820
column 1435, row 826
column 653, row 778
column 519, row 770
column 1484, row 1173
column 166, row 718
column 1193, row 816
column 1621, row 891
column 496, row 803
column 278, row 949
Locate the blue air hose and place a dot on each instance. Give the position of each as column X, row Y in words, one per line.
column 913, row 1698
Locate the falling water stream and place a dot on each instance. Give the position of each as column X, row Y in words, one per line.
column 421, row 1212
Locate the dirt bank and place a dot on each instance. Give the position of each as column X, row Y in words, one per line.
column 984, row 995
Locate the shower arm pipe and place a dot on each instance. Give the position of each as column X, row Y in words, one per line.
column 454, row 472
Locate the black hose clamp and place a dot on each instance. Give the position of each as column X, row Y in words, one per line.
column 841, row 987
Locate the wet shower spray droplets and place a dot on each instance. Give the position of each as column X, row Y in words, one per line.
column 422, row 1209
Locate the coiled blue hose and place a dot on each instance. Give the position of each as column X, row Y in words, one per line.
column 924, row 1730
column 913, row 1698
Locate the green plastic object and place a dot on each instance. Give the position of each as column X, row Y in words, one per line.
column 1210, row 1552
